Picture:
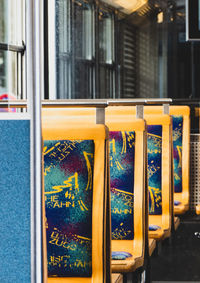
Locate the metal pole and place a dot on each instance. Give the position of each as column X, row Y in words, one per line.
column 34, row 77
column 99, row 103
column 69, row 103
column 36, row 130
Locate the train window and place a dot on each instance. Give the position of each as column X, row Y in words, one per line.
column 12, row 47
column 80, row 50
column 71, row 49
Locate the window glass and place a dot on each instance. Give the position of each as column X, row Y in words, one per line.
column 11, row 59
column 84, row 50
column 60, row 48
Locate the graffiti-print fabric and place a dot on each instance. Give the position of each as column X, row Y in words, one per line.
column 68, row 177
column 122, row 152
column 177, row 152
column 154, row 148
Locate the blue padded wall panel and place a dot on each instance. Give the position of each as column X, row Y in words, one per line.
column 68, row 176
column 15, row 253
column 122, row 155
column 177, row 152
column 154, row 148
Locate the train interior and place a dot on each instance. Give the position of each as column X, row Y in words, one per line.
column 100, row 141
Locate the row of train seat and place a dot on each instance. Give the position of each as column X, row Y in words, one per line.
column 112, row 187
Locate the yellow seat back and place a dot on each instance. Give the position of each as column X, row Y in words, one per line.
column 132, row 134
column 61, row 138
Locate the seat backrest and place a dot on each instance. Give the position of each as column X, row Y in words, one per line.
column 159, row 155
column 181, row 151
column 159, row 166
column 75, row 179
column 181, row 148
column 127, row 181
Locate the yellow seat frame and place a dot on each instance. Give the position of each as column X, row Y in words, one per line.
column 87, row 115
column 137, row 246
column 152, row 246
column 59, row 129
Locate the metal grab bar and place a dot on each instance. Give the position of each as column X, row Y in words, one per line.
column 126, row 102
column 99, row 104
column 158, row 101
column 13, row 48
column 139, row 101
column 96, row 103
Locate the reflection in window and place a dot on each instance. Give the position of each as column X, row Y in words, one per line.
column 12, row 32
column 106, row 52
column 84, row 30
column 106, row 37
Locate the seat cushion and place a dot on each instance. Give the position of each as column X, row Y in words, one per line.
column 176, row 202
column 120, row 255
column 154, row 227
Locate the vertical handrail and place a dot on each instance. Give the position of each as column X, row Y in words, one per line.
column 33, row 90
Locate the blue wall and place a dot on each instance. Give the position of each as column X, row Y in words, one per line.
column 15, row 247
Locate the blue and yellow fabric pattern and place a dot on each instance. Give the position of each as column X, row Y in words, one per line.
column 68, row 177
column 154, row 148
column 177, row 152
column 122, row 152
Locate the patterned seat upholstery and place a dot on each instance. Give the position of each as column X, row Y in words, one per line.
column 68, row 179
column 154, row 150
column 122, row 155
